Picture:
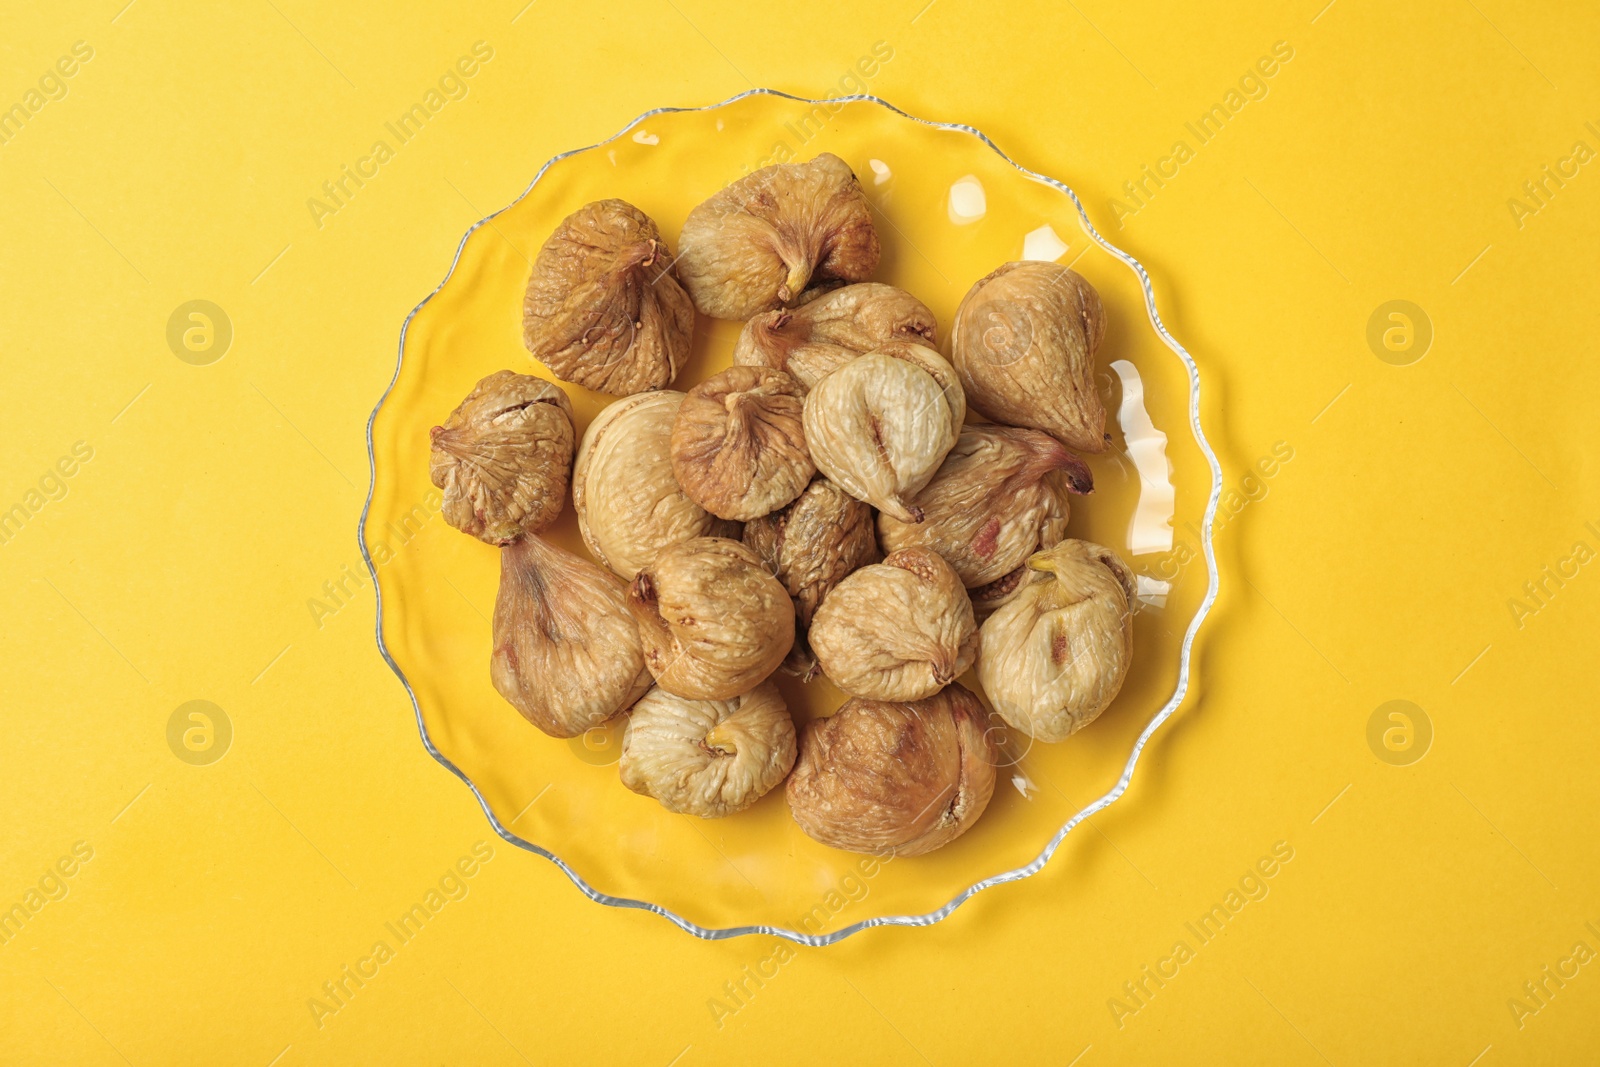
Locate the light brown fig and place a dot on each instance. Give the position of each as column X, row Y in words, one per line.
column 707, row 757
column 880, row 425
column 503, row 457
column 628, row 500
column 762, row 241
column 897, row 630
column 937, row 367
column 987, row 599
column 894, row 778
column 999, row 497
column 714, row 622
column 1024, row 342
column 566, row 652
column 811, row 546
column 1055, row 655
column 738, row 444
column 812, row 339
column 819, row 288
column 604, row 309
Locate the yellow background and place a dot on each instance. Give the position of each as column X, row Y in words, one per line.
column 1378, row 566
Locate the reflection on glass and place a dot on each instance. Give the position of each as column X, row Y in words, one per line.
column 1043, row 244
column 1151, row 529
column 967, row 201
column 1152, row 591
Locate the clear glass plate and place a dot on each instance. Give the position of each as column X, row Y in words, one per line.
column 950, row 207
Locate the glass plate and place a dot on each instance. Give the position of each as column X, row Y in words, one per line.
column 950, row 207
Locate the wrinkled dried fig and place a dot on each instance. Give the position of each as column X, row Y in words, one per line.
column 819, row 289
column 811, row 546
column 760, row 242
column 713, row 621
column 893, row 778
column 897, row 630
column 503, row 457
column 566, row 652
column 1056, row 654
column 707, row 757
column 987, row 599
column 999, row 497
column 628, row 501
column 810, row 340
column 938, row 368
column 738, row 445
column 880, row 425
column 604, row 309
column 1024, row 341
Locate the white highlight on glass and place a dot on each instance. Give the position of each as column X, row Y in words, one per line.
column 1151, row 528
column 968, row 203
column 646, row 138
column 880, row 171
column 1043, row 244
column 1152, row 591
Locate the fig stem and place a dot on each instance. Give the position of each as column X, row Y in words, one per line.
column 1046, row 454
column 795, row 282
column 643, row 590
column 718, row 743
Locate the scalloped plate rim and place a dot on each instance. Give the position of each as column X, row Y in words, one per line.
column 1014, row 875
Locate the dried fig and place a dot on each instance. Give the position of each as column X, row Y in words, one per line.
column 810, row 340
column 1056, row 654
column 897, row 630
column 999, row 497
column 987, row 599
column 893, row 778
column 707, row 757
column 738, row 444
column 880, row 425
column 811, row 546
column 759, row 243
column 1024, row 341
column 713, row 621
column 604, row 309
column 628, row 501
column 503, row 457
column 938, row 368
column 566, row 652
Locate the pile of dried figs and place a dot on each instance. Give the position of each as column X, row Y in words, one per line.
column 823, row 506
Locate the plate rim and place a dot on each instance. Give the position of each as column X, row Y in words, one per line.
column 1016, row 874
